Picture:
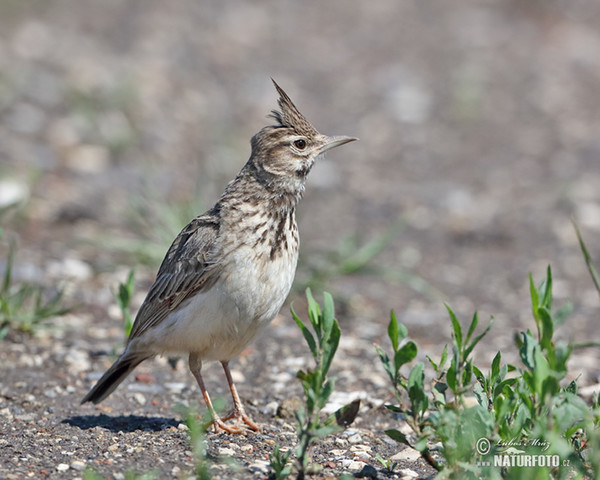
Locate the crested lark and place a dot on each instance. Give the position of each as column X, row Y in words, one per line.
column 229, row 271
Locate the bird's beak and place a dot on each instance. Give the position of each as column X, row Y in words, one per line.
column 336, row 141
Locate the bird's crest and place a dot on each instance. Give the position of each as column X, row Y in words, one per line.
column 289, row 116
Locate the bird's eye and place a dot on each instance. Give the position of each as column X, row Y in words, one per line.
column 300, row 144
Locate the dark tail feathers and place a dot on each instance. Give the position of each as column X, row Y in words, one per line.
column 113, row 377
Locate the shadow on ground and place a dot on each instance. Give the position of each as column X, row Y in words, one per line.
column 129, row 423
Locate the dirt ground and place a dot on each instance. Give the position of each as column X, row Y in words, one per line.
column 119, row 120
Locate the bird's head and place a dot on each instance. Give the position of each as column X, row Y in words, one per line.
column 283, row 154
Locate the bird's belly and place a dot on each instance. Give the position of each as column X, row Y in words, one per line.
column 220, row 322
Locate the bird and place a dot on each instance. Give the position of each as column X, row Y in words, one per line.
column 229, row 271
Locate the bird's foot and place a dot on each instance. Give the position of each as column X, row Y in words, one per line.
column 242, row 424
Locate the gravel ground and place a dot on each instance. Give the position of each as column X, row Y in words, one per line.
column 119, row 120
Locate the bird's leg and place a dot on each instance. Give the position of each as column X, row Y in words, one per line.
column 218, row 424
column 238, row 413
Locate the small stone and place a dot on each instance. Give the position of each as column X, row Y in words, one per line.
column 356, row 438
column 50, row 393
column 12, row 192
column 183, row 427
column 407, row 473
column 26, row 417
column 288, row 407
column 259, row 466
column 88, row 158
column 360, row 448
column 145, row 377
column 247, row 448
column 342, row 442
column 62, row 467
column 226, row 452
column 78, row 361
column 269, row 409
column 356, row 466
column 138, row 397
column 368, row 471
column 78, row 465
column 407, row 454
column 175, row 387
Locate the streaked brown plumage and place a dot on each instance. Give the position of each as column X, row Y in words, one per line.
column 228, row 272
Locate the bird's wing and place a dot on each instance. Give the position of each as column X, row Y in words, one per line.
column 186, row 269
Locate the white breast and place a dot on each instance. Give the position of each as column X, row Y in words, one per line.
column 220, row 322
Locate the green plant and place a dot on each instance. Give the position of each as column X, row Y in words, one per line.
column 388, row 464
column 530, row 407
column 197, row 431
column 123, row 298
column 317, row 387
column 23, row 305
column 279, row 463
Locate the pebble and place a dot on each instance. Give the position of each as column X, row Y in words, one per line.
column 225, row 451
column 175, row 387
column 356, row 465
column 260, row 466
column 270, row 409
column 78, row 361
column 140, row 398
column 88, row 159
column 12, row 192
column 368, row 471
column 26, row 417
column 407, row 473
column 78, row 465
column 62, row 467
column 408, row 454
column 50, row 393
column 288, row 407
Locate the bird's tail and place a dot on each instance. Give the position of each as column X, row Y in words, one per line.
column 114, row 376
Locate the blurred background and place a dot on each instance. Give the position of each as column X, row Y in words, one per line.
column 479, row 136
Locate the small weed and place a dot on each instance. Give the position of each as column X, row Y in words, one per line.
column 323, row 344
column 279, row 464
column 25, row 306
column 388, row 464
column 525, row 407
column 198, row 443
column 123, row 298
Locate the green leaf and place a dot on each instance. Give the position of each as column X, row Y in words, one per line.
column 547, row 328
column 406, row 354
column 496, row 366
column 455, row 326
column 314, row 313
column 535, row 299
column 588, row 259
column 527, row 350
column 416, row 389
column 398, row 436
column 451, row 379
column 387, row 364
column 476, row 340
column 328, row 314
column 310, row 340
column 472, row 327
column 393, row 332
column 330, row 347
column 547, row 290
